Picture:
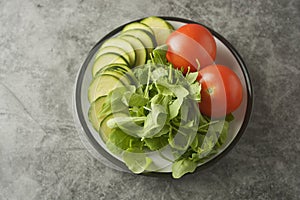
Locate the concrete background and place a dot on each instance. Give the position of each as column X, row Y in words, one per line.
column 43, row 44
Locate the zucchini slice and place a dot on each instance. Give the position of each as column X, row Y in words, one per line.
column 122, row 44
column 161, row 28
column 145, row 37
column 94, row 112
column 103, row 83
column 104, row 129
column 140, row 50
column 137, row 25
column 121, row 68
column 113, row 49
column 106, row 59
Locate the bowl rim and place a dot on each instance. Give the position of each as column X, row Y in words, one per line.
column 107, row 155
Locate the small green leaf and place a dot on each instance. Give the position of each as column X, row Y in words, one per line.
column 117, row 100
column 159, row 55
column 183, row 166
column 129, row 125
column 191, row 77
column 136, row 161
column 158, row 73
column 156, row 143
column 163, row 90
column 122, row 140
column 222, row 132
column 175, row 107
column 181, row 139
column 137, row 100
column 195, row 143
column 229, row 117
column 178, row 90
column 155, row 121
column 195, row 91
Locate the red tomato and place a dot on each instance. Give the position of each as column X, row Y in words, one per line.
column 221, row 91
column 190, row 44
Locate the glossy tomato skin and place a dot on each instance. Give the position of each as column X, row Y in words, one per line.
column 221, row 91
column 190, row 44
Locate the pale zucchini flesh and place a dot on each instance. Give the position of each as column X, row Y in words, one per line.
column 140, row 50
column 104, row 129
column 106, row 59
column 95, row 110
column 102, row 85
column 113, row 49
column 137, row 25
column 123, row 44
column 161, row 28
column 145, row 37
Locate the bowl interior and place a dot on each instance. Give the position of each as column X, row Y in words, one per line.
column 93, row 141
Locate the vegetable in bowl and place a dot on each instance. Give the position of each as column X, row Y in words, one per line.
column 153, row 108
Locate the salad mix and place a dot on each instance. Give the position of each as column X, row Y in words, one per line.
column 157, row 95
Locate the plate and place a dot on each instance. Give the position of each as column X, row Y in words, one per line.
column 226, row 55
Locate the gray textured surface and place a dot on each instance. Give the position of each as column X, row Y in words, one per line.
column 43, row 44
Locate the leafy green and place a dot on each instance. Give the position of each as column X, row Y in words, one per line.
column 124, row 141
column 191, row 77
column 137, row 100
column 181, row 138
column 155, row 121
column 229, row 117
column 156, row 143
column 202, row 148
column 136, row 161
column 183, row 166
column 126, row 123
column 158, row 55
column 161, row 109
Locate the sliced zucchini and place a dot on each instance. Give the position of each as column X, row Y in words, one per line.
column 106, row 59
column 113, row 49
column 145, row 37
column 94, row 112
column 170, row 26
column 122, row 68
column 123, row 44
column 161, row 28
column 104, row 129
column 103, row 84
column 137, row 25
column 140, row 50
